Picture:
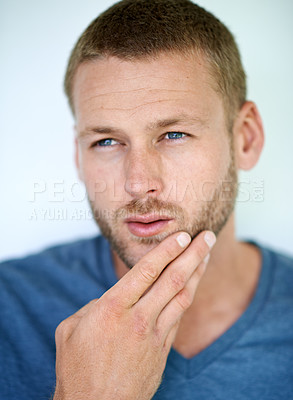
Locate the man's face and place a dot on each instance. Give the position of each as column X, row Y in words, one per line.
column 153, row 150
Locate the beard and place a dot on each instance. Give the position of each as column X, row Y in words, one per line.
column 212, row 214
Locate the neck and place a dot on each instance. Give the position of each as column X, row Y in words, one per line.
column 224, row 293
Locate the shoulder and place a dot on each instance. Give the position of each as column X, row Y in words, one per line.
column 63, row 252
column 271, row 309
column 277, row 273
column 282, row 270
column 63, row 277
column 64, row 261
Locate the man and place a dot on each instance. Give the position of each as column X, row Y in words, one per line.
column 167, row 303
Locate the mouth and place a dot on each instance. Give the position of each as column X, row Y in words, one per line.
column 147, row 225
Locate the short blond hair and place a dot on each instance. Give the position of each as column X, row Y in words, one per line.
column 137, row 29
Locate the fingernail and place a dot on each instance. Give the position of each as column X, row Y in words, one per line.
column 183, row 239
column 210, row 238
column 206, row 259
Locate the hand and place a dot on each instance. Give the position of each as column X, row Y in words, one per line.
column 117, row 347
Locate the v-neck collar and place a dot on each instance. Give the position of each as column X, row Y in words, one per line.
column 190, row 367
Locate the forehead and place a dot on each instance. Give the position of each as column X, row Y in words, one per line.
column 168, row 83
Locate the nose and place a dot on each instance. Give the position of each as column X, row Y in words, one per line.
column 143, row 172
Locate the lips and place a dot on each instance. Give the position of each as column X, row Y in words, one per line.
column 147, row 225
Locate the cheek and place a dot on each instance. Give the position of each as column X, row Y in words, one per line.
column 104, row 183
column 94, row 179
column 195, row 175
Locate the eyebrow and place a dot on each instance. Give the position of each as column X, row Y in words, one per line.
column 161, row 123
column 184, row 119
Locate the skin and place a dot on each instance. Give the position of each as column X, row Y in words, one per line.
column 123, row 101
column 163, row 173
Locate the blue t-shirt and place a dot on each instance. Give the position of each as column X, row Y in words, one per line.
column 253, row 360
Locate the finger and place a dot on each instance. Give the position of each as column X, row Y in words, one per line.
column 175, row 277
column 180, row 303
column 132, row 285
column 82, row 311
column 170, row 338
column 65, row 329
column 85, row 309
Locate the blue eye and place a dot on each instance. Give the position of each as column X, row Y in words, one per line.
column 106, row 142
column 174, row 135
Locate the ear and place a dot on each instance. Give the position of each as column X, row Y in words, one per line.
column 77, row 156
column 248, row 136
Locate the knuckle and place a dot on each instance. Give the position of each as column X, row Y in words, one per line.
column 148, row 272
column 178, row 279
column 184, row 299
column 140, row 325
column 63, row 331
column 158, row 337
column 58, row 333
column 111, row 308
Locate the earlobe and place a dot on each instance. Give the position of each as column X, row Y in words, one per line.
column 248, row 136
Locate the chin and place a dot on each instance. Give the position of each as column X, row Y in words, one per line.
column 132, row 252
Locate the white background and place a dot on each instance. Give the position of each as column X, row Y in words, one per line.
column 36, row 146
